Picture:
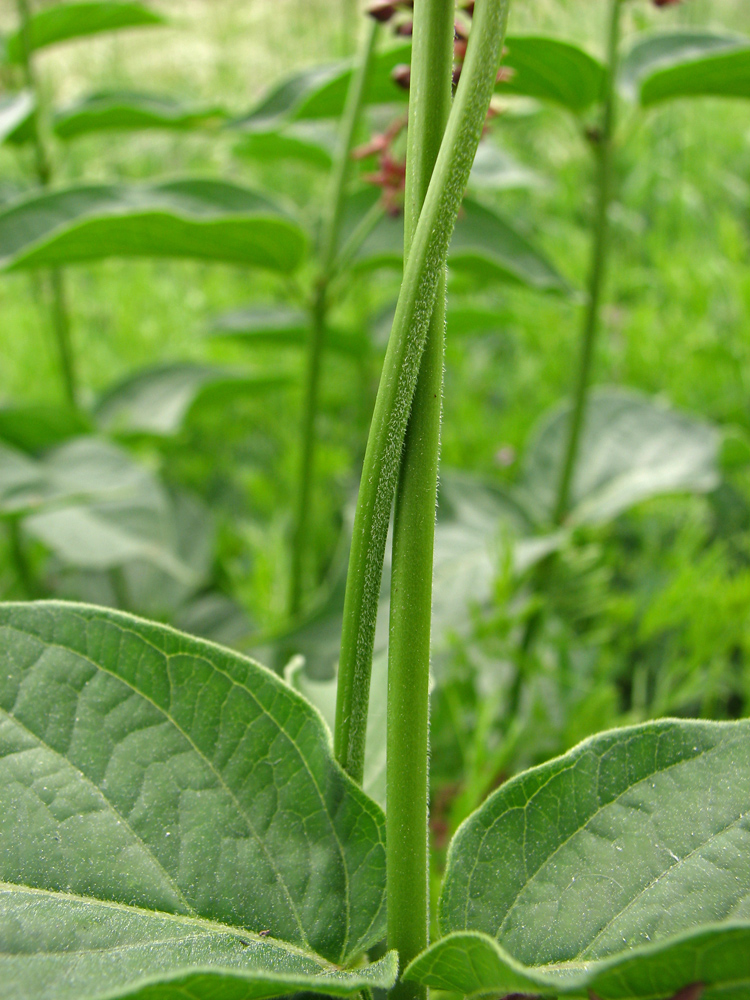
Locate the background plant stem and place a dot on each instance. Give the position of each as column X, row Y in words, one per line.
column 319, row 314
column 423, row 273
column 599, row 252
column 43, row 166
column 407, row 865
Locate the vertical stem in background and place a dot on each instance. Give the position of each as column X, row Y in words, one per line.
column 407, row 867
column 43, row 164
column 319, row 312
column 597, row 273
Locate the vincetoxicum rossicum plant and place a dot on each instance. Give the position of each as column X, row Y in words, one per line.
column 174, row 822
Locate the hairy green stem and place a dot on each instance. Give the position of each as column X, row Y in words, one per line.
column 597, row 273
column 319, row 315
column 407, row 851
column 424, row 270
column 43, row 164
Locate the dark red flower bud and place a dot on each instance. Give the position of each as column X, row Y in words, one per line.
column 401, row 75
column 406, row 29
column 382, row 10
column 665, row 3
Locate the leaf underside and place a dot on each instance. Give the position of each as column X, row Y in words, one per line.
column 143, row 767
column 620, row 867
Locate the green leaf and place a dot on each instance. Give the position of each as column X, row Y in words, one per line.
column 552, row 70
column 126, row 110
column 15, row 112
column 159, row 400
column 652, row 53
column 321, row 92
column 202, row 219
column 631, row 449
column 726, row 74
column 35, row 428
column 604, row 870
column 484, row 245
column 313, row 143
column 60, row 947
column 146, row 768
column 283, row 326
column 94, row 508
column 63, row 22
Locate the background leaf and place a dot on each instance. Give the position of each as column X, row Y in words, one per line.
column 159, row 400
column 130, row 110
column 283, row 326
column 552, row 70
column 148, row 768
column 202, row 219
column 651, row 53
column 63, row 22
column 726, row 74
column 15, row 112
column 632, row 449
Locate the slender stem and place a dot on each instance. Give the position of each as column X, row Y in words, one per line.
column 599, row 254
column 407, row 854
column 423, row 273
column 319, row 314
column 18, row 550
column 43, row 164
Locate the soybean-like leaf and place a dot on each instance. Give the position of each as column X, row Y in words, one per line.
column 312, row 143
column 202, row 219
column 484, row 245
column 277, row 107
column 725, row 74
column 63, row 22
column 15, row 112
column 129, row 110
column 631, row 449
column 159, row 400
column 148, row 769
column 552, row 70
column 61, row 947
column 619, row 869
column 652, row 53
column 282, row 326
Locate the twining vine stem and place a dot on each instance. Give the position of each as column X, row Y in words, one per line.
column 407, row 865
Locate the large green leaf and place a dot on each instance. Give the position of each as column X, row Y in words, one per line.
column 652, row 53
column 130, row 110
column 484, row 245
column 203, row 219
column 149, row 769
column 159, row 400
column 15, row 112
column 38, row 427
column 604, row 870
column 631, row 449
column 62, row 22
column 61, row 947
column 726, row 74
column 494, row 170
column 552, row 70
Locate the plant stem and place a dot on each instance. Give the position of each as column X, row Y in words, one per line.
column 407, row 857
column 598, row 266
column 43, row 164
column 319, row 314
column 423, row 272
